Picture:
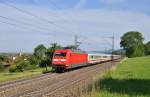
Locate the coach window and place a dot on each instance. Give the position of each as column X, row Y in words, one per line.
column 91, row 57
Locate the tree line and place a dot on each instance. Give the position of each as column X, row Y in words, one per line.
column 41, row 58
column 133, row 44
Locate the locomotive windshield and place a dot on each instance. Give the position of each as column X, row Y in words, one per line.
column 60, row 54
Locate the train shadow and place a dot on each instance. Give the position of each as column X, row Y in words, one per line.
column 132, row 87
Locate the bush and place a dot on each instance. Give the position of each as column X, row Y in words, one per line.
column 3, row 58
column 1, row 67
column 19, row 67
column 34, row 60
column 30, row 67
column 46, row 71
column 12, row 68
column 44, row 63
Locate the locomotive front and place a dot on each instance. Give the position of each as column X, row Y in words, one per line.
column 59, row 62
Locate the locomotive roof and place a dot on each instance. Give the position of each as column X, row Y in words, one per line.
column 73, row 50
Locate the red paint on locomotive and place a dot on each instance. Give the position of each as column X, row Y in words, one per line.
column 66, row 59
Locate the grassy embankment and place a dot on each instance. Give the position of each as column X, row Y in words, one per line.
column 7, row 76
column 130, row 79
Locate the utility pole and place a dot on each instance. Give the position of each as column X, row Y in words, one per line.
column 113, row 47
column 77, row 43
column 105, row 50
column 76, row 40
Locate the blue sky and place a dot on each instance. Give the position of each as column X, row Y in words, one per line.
column 48, row 21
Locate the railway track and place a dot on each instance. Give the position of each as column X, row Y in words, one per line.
column 22, row 80
column 59, row 84
column 47, row 85
column 70, row 82
column 10, row 89
column 20, row 87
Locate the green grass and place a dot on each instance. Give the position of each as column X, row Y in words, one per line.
column 6, row 76
column 130, row 79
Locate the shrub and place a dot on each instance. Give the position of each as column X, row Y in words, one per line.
column 30, row 67
column 1, row 67
column 46, row 71
column 19, row 67
column 3, row 58
column 12, row 68
column 44, row 63
column 34, row 60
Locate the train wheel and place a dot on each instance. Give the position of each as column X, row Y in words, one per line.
column 60, row 70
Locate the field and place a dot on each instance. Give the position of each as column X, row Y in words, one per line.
column 6, row 76
column 130, row 79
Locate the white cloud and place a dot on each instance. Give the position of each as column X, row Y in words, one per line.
column 112, row 1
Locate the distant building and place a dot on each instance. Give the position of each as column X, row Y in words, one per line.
column 14, row 58
column 20, row 54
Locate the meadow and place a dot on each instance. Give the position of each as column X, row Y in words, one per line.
column 8, row 76
column 130, row 79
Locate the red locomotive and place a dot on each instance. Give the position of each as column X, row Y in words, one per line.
column 67, row 59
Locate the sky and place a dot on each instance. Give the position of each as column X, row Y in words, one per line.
column 24, row 24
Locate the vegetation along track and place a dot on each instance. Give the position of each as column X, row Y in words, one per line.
column 37, row 87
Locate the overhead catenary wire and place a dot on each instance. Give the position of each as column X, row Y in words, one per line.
column 55, row 6
column 105, row 43
column 52, row 3
column 23, row 23
column 11, row 4
column 30, row 14
column 58, row 16
column 50, row 12
column 76, row 35
column 22, row 27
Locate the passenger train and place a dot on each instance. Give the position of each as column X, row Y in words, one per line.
column 65, row 59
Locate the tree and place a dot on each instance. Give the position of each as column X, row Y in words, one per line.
column 39, row 52
column 49, row 55
column 52, row 48
column 71, row 47
column 147, row 48
column 132, row 42
column 39, row 55
column 1, row 67
column 4, row 58
column 34, row 60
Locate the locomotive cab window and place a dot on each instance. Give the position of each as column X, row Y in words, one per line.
column 60, row 54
